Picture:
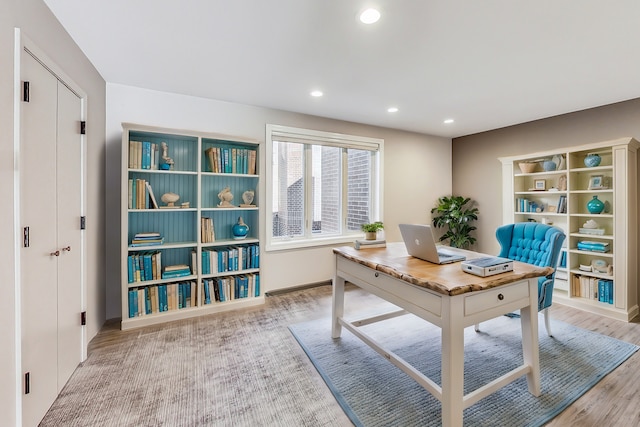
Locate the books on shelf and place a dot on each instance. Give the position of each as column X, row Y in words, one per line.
column 594, row 231
column 593, row 288
column 228, row 288
column 178, row 270
column 230, row 258
column 231, row 160
column 368, row 244
column 586, row 245
column 144, row 266
column 143, row 155
column 147, row 239
column 207, row 232
column 153, row 299
column 140, row 195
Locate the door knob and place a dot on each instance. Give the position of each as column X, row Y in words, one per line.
column 56, row 253
column 68, row 249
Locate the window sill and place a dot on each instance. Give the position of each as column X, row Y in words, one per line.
column 283, row 245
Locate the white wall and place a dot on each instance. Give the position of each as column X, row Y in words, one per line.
column 417, row 171
column 38, row 23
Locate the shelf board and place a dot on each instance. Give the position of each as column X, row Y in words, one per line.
column 163, row 246
column 162, row 281
column 161, row 171
column 227, row 242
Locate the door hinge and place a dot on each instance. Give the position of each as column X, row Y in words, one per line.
column 25, row 91
column 83, row 318
column 83, row 127
column 83, row 223
column 25, row 237
column 27, row 387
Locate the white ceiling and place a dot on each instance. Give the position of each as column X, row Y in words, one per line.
column 485, row 63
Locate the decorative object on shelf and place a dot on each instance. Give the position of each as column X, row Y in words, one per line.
column 170, row 199
column 453, row 213
column 584, row 268
column 560, row 161
column 562, row 183
column 590, row 224
column 549, row 165
column 167, row 162
column 547, row 221
column 527, row 167
column 240, row 229
column 371, row 229
column 595, row 182
column 592, row 160
column 600, row 266
column 247, row 197
column 226, row 196
column 540, row 185
column 595, row 206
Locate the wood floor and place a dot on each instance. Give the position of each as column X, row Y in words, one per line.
column 614, row 401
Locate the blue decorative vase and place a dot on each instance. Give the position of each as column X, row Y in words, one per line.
column 549, row 165
column 240, row 229
column 595, row 206
column 592, row 160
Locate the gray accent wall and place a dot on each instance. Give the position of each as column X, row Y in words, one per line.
column 477, row 170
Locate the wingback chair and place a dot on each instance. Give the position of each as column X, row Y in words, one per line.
column 537, row 244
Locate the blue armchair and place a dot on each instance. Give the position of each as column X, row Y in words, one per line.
column 537, row 244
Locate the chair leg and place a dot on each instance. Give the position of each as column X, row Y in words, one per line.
column 547, row 325
column 477, row 327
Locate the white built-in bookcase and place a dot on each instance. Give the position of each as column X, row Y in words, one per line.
column 192, row 178
column 533, row 196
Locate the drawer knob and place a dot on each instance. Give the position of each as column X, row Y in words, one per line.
column 376, row 274
column 500, row 297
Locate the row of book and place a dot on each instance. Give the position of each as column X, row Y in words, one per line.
column 592, row 288
column 207, row 233
column 228, row 288
column 145, row 266
column 141, row 195
column 148, row 300
column 526, row 205
column 144, row 155
column 231, row 160
column 230, row 258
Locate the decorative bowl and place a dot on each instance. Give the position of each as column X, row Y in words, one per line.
column 549, row 165
column 527, row 167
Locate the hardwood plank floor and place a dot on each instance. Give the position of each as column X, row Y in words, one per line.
column 612, row 402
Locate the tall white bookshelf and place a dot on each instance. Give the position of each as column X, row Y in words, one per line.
column 222, row 270
column 604, row 278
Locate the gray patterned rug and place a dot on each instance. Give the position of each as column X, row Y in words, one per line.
column 373, row 392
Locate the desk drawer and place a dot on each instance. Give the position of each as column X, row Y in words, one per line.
column 495, row 298
column 414, row 299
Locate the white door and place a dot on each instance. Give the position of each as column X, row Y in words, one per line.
column 51, row 256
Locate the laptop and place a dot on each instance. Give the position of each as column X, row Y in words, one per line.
column 420, row 243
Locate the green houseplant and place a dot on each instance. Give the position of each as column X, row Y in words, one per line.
column 454, row 213
column 371, row 229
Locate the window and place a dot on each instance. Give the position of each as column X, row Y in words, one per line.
column 321, row 186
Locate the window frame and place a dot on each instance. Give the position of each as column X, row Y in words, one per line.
column 311, row 138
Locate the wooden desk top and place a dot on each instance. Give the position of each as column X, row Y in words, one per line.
column 447, row 279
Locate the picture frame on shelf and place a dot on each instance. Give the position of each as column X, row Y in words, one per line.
column 596, row 182
column 539, row 185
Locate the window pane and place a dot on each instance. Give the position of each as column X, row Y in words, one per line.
column 358, row 188
column 288, row 189
column 326, row 190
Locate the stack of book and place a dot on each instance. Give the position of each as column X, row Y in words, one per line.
column 367, row 244
column 207, row 232
column 147, row 239
column 178, row 270
column 586, row 245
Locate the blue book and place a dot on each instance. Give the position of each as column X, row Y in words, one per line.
column 133, row 295
column 176, row 273
column 206, row 263
column 162, row 294
column 130, row 274
column 146, row 155
column 147, row 263
column 221, row 266
column 147, row 301
column 610, row 291
column 257, row 286
column 207, row 294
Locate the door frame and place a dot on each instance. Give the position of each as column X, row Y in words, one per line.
column 23, row 45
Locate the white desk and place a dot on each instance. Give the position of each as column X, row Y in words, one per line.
column 450, row 299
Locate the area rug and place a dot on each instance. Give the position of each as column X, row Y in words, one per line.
column 373, row 392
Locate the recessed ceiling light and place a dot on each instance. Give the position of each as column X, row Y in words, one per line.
column 369, row 16
column 448, row 121
column 392, row 109
column 316, row 93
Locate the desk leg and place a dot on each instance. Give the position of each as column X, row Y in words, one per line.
column 337, row 308
column 530, row 349
column 452, row 363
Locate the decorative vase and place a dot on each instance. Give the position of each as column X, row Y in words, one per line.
column 549, row 165
column 240, row 229
column 595, row 206
column 592, row 160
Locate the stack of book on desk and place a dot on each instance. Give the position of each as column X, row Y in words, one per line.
column 364, row 244
column 587, row 245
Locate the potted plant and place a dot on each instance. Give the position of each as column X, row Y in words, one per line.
column 452, row 212
column 371, row 230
